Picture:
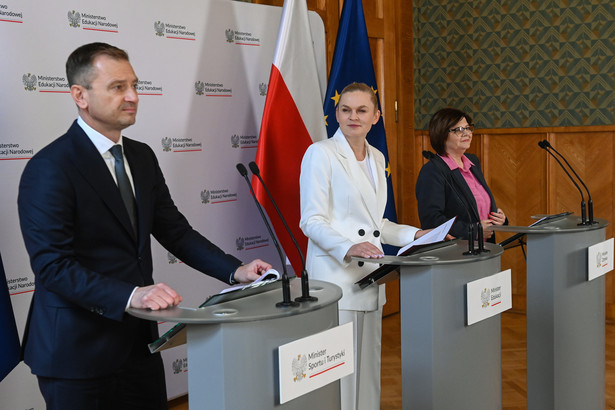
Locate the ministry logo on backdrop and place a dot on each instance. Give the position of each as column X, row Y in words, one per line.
column 159, row 28
column 30, row 81
column 172, row 259
column 45, row 83
column 146, row 87
column 173, row 31
column 74, row 19
column 180, row 365
column 262, row 89
column 216, row 196
column 10, row 16
column 92, row 22
column 212, row 89
column 184, row 144
column 15, row 151
column 241, row 38
column 244, row 141
column 251, row 242
column 230, row 35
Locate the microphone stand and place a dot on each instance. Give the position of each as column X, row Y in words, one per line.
column 286, row 301
column 590, row 203
column 545, row 145
column 305, row 286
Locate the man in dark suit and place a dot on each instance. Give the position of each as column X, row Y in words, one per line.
column 87, row 217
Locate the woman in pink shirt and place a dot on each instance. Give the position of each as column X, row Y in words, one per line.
column 452, row 183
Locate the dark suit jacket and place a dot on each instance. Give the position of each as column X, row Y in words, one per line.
column 438, row 202
column 86, row 258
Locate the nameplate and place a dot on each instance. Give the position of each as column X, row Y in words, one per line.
column 315, row 361
column 487, row 297
column 599, row 259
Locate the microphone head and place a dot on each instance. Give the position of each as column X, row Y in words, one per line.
column 242, row 169
column 428, row 154
column 541, row 144
column 546, row 144
column 254, row 168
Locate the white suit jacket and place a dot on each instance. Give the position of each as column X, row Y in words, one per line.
column 339, row 208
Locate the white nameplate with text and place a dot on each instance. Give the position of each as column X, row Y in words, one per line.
column 599, row 259
column 489, row 296
column 315, row 361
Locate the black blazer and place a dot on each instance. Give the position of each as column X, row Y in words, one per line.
column 437, row 202
column 86, row 258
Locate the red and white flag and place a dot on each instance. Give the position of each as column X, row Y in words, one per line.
column 292, row 119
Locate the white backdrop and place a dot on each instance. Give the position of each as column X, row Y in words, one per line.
column 203, row 67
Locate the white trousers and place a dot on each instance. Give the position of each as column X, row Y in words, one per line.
column 361, row 390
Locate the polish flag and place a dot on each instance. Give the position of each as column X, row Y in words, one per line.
column 293, row 118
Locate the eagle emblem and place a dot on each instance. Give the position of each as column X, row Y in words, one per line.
column 159, row 28
column 299, row 365
column 205, row 196
column 240, row 243
column 230, row 35
column 29, row 80
column 199, row 87
column 484, row 297
column 166, row 144
column 74, row 18
column 598, row 259
column 172, row 259
column 177, row 366
column 235, row 141
column 262, row 89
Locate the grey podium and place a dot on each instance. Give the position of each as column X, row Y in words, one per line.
column 565, row 316
column 232, row 347
column 445, row 363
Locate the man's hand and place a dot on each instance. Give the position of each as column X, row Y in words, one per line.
column 155, row 297
column 252, row 271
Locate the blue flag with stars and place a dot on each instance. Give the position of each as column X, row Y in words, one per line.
column 352, row 62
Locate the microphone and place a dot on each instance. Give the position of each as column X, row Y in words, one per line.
column 305, row 287
column 544, row 144
column 590, row 203
column 286, row 302
column 471, row 251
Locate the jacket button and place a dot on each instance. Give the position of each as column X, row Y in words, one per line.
column 376, row 233
column 361, row 263
column 361, row 232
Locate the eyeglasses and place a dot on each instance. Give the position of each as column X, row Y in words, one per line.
column 460, row 130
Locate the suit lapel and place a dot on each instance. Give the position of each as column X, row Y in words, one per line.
column 357, row 176
column 90, row 164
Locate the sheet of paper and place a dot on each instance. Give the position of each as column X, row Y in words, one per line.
column 435, row 235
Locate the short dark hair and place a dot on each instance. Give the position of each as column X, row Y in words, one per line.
column 79, row 63
column 352, row 87
column 440, row 124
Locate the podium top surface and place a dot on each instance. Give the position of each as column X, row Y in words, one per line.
column 261, row 306
column 453, row 253
column 566, row 224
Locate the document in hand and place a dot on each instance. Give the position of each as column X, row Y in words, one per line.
column 435, row 235
column 270, row 275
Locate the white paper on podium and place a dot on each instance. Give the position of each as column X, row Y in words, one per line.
column 435, row 235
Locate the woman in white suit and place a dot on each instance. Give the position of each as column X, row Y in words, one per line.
column 343, row 197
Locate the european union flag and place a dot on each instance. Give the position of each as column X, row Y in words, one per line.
column 352, row 62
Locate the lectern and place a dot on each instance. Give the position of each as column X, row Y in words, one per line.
column 232, row 347
column 565, row 316
column 445, row 363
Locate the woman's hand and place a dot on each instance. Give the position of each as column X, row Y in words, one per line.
column 498, row 217
column 363, row 250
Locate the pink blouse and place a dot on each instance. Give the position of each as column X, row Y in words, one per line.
column 483, row 201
